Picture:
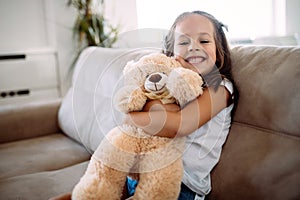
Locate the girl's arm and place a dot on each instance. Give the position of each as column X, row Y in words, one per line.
column 161, row 121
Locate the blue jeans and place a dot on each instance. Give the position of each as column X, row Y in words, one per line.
column 185, row 192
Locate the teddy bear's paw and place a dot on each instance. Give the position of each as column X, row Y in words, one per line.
column 185, row 85
column 130, row 98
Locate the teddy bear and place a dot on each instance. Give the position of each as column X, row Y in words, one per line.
column 127, row 150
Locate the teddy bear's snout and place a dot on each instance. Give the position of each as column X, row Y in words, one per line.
column 155, row 78
column 156, row 82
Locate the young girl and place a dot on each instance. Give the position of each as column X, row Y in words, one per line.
column 197, row 41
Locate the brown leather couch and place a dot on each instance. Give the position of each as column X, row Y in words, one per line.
column 45, row 146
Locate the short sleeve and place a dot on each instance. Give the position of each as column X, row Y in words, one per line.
column 229, row 86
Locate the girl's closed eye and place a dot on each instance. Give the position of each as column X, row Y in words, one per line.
column 183, row 42
column 204, row 41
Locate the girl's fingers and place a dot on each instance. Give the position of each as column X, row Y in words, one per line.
column 184, row 63
column 180, row 59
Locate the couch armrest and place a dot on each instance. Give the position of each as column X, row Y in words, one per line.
column 29, row 120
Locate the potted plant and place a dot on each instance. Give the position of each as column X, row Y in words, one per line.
column 90, row 27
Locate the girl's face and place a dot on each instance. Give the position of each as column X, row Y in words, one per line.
column 195, row 43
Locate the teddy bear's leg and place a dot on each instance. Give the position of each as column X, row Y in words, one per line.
column 160, row 184
column 100, row 182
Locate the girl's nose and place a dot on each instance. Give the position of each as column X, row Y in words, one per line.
column 194, row 46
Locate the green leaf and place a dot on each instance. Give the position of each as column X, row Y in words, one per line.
column 92, row 29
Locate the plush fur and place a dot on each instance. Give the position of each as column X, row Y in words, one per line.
column 128, row 150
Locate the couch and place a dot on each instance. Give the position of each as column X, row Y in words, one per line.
column 45, row 146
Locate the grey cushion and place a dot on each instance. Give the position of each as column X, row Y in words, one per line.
column 87, row 112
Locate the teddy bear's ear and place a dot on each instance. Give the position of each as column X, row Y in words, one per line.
column 132, row 73
column 129, row 66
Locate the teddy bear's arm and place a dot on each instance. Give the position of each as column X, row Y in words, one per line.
column 130, row 98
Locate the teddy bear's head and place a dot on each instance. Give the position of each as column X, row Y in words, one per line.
column 150, row 69
column 157, row 76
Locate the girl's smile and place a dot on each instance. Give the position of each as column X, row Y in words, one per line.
column 195, row 60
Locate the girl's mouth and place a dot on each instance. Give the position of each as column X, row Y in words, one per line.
column 195, row 59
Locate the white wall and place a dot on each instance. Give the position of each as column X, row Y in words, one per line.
column 22, row 25
column 122, row 12
column 60, row 22
column 28, row 25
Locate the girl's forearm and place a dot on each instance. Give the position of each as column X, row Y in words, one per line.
column 159, row 123
column 165, row 123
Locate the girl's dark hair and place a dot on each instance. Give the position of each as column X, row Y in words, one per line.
column 223, row 58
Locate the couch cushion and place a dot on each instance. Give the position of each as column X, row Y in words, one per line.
column 257, row 164
column 42, row 185
column 261, row 157
column 28, row 120
column 40, row 154
column 87, row 113
column 268, row 80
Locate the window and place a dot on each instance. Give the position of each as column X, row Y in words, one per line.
column 245, row 19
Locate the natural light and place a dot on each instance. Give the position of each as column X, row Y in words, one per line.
column 245, row 19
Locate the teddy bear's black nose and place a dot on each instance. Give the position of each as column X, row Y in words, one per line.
column 155, row 78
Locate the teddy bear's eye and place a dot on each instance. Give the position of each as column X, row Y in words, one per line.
column 147, row 75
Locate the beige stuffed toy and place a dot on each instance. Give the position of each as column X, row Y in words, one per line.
column 127, row 150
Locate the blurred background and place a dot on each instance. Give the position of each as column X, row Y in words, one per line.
column 41, row 39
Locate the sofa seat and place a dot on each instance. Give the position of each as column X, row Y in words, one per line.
column 41, row 185
column 44, row 153
column 41, row 167
column 38, row 160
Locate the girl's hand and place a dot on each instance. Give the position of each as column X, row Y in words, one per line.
column 185, row 64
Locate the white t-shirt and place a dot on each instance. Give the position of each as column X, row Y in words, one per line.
column 203, row 149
